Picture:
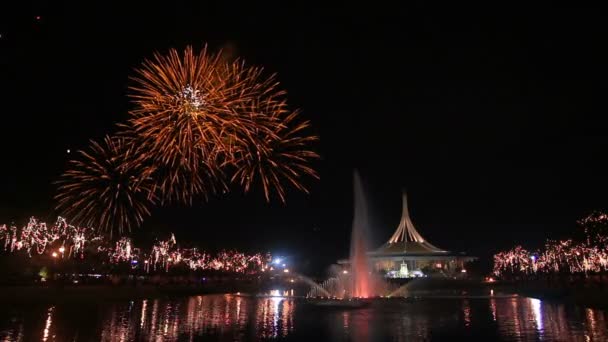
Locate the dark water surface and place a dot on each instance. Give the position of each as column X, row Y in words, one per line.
column 230, row 318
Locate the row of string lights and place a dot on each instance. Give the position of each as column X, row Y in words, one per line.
column 63, row 241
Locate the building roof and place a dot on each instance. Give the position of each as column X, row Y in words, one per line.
column 406, row 240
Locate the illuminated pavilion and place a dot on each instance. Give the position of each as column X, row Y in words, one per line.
column 407, row 254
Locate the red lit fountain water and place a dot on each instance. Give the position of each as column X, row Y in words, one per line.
column 358, row 281
column 360, row 275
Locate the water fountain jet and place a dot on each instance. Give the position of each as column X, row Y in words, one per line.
column 359, row 264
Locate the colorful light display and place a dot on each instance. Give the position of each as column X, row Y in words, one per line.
column 62, row 240
column 563, row 256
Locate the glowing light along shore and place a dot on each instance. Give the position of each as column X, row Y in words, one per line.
column 63, row 241
column 564, row 256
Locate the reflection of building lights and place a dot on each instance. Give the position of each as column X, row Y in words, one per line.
column 54, row 254
column 537, row 312
column 286, row 270
column 275, row 293
column 47, row 325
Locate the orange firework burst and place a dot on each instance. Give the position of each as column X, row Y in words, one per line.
column 281, row 155
column 196, row 114
column 107, row 187
column 185, row 112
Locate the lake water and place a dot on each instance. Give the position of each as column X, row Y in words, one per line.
column 230, row 318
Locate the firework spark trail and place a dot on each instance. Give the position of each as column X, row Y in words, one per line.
column 38, row 238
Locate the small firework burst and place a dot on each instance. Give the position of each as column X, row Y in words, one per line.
column 107, row 186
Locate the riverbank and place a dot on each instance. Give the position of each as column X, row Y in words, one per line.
column 104, row 293
column 591, row 297
column 581, row 294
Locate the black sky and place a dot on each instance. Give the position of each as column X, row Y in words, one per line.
column 492, row 119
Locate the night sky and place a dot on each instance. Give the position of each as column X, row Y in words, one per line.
column 495, row 123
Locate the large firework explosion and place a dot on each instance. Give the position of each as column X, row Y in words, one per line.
column 199, row 116
column 199, row 122
column 107, row 186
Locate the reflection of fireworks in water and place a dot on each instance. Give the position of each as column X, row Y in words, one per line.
column 37, row 237
column 107, row 187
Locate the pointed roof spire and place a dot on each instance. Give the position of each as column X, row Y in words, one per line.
column 406, row 232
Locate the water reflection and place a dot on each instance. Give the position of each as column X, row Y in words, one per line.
column 227, row 317
column 274, row 317
column 537, row 312
column 220, row 316
column 466, row 312
column 531, row 319
column 47, row 325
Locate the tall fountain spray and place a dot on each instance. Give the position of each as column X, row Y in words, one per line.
column 359, row 282
column 360, row 274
